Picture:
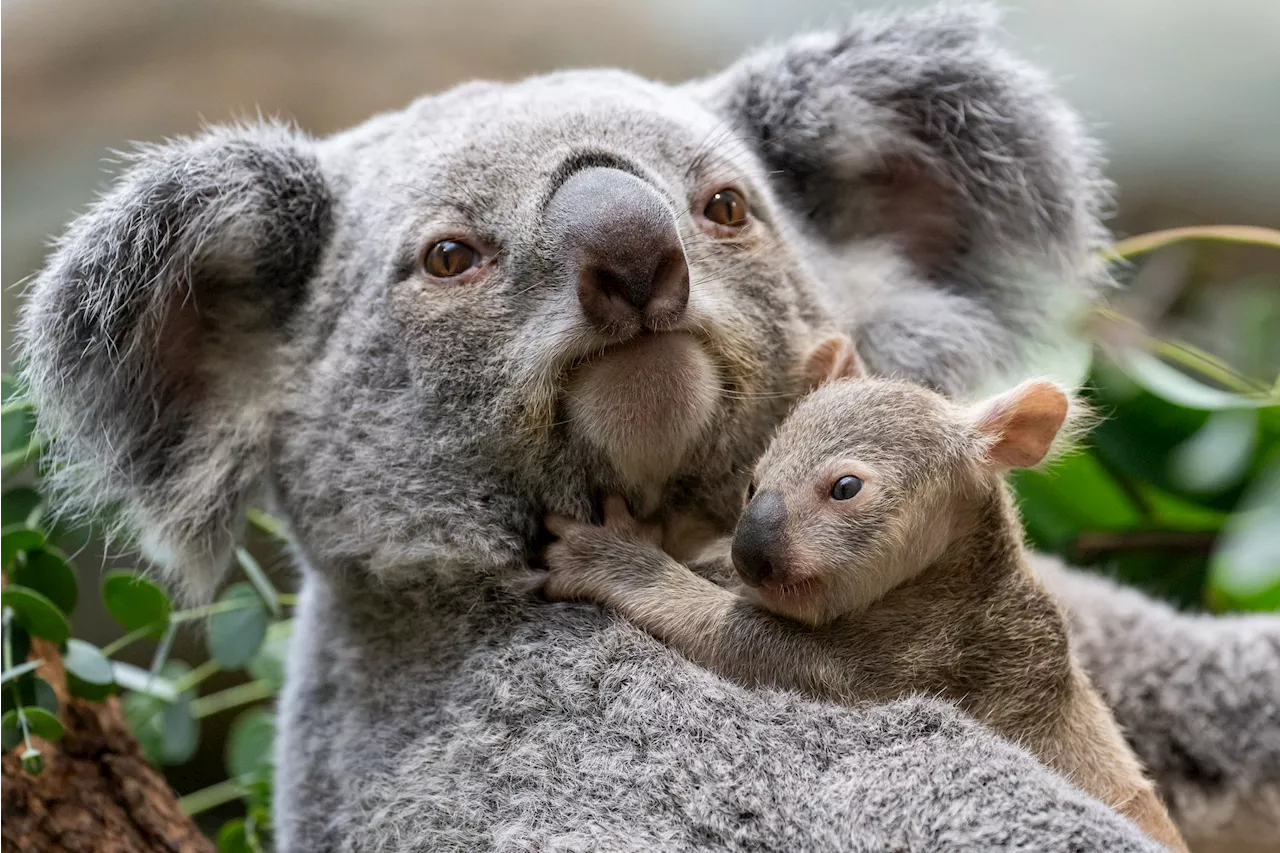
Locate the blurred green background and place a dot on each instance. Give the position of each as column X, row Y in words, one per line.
column 1177, row 489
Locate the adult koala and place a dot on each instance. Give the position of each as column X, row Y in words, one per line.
column 424, row 334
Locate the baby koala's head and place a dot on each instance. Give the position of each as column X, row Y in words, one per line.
column 870, row 480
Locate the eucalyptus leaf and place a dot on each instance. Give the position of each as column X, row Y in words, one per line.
column 16, row 539
column 47, row 571
column 40, row 723
column 1179, row 388
column 235, row 635
column 269, row 663
column 89, row 673
column 31, row 690
column 250, row 743
column 1217, row 457
column 35, row 612
column 1244, row 572
column 232, row 838
column 21, row 505
column 135, row 678
column 17, row 427
column 136, row 602
column 179, row 732
column 10, row 730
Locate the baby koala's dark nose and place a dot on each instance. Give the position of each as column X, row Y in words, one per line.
column 620, row 239
column 759, row 541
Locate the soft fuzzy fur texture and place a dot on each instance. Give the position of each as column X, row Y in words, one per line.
column 247, row 309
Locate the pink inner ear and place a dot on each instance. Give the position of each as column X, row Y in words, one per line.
column 834, row 358
column 1024, row 423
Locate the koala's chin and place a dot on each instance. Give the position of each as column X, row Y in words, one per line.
column 644, row 403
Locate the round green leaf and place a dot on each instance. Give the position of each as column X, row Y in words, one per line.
column 48, row 572
column 42, row 723
column 1244, row 573
column 22, row 505
column 32, row 690
column 17, row 425
column 235, row 635
column 233, row 838
column 268, row 664
column 88, row 671
column 250, row 742
column 40, row 616
column 10, row 730
column 143, row 714
column 136, row 602
column 16, row 539
column 179, row 732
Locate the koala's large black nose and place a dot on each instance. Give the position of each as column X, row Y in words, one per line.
column 759, row 542
column 619, row 237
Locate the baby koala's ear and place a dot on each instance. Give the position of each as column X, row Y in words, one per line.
column 833, row 358
column 1021, row 424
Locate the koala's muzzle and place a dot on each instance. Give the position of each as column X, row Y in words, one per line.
column 619, row 237
column 759, row 541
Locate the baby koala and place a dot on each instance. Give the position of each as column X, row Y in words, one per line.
column 880, row 556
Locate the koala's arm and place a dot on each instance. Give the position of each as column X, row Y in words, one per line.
column 1198, row 697
column 709, row 624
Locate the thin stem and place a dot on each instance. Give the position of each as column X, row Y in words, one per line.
column 16, row 672
column 196, row 676
column 211, row 797
column 288, row 599
column 260, row 580
column 162, row 652
column 210, row 609
column 232, row 697
column 128, row 639
column 8, row 639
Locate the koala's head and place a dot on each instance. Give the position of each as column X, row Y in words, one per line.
column 423, row 334
column 869, row 481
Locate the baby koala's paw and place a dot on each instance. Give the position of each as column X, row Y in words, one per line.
column 592, row 562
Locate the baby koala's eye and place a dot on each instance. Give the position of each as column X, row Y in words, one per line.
column 751, row 491
column 846, row 487
column 449, row 258
column 727, row 208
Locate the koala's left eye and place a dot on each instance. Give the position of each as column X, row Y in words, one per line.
column 846, row 487
column 449, row 258
column 751, row 491
column 727, row 208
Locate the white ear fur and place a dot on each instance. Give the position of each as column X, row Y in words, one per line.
column 834, row 358
column 1023, row 423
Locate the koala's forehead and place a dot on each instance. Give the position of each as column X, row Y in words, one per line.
column 493, row 148
column 900, row 428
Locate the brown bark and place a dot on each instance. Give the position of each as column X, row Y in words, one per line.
column 98, row 793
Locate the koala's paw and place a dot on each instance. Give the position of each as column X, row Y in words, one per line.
column 590, row 562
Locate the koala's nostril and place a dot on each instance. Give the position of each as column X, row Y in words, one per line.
column 759, row 542
column 620, row 237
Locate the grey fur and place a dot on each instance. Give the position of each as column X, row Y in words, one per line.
column 412, row 430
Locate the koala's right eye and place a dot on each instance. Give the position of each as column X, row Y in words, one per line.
column 449, row 258
column 751, row 491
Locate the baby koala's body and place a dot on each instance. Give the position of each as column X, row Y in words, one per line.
column 881, row 556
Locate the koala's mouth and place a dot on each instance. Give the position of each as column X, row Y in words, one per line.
column 644, row 402
column 789, row 593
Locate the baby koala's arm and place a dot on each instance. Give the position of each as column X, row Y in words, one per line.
column 621, row 564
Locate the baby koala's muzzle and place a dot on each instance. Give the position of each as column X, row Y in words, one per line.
column 759, row 541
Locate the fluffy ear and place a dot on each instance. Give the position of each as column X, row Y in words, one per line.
column 834, row 358
column 916, row 136
column 153, row 337
column 1020, row 426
